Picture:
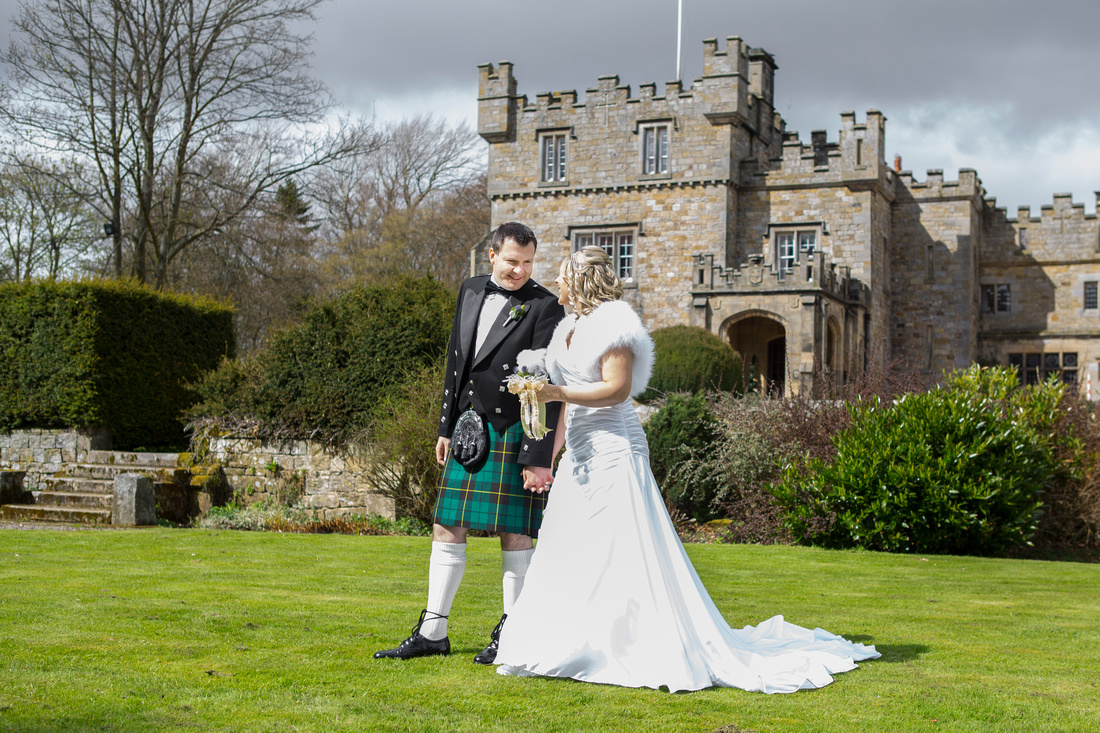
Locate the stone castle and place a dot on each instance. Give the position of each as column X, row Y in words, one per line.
column 816, row 261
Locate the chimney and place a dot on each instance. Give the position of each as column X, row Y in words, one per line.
column 897, row 163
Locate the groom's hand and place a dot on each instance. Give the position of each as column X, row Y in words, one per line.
column 537, row 478
column 441, row 447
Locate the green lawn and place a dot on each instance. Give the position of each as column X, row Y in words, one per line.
column 169, row 629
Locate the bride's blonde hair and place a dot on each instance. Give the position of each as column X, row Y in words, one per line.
column 591, row 279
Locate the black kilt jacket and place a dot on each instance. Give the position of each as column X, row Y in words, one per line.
column 477, row 380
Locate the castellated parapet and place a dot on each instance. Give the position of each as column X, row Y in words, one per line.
column 604, row 130
column 857, row 157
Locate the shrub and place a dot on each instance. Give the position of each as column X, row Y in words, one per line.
column 402, row 445
column 734, row 471
column 683, row 427
column 959, row 469
column 758, row 435
column 1070, row 522
column 328, row 377
column 691, row 359
column 111, row 354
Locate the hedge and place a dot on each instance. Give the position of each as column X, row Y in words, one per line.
column 328, row 377
column 111, row 354
column 692, row 359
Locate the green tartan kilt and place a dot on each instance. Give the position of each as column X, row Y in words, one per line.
column 491, row 498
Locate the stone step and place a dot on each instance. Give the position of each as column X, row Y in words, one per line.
column 107, row 472
column 133, row 460
column 39, row 513
column 73, row 499
column 78, row 485
column 72, row 484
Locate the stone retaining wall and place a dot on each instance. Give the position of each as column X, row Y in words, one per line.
column 43, row 453
column 333, row 483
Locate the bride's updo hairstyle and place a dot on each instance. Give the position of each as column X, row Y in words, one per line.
column 591, row 279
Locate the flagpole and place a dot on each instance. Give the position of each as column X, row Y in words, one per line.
column 679, row 33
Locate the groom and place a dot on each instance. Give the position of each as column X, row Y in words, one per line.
column 497, row 317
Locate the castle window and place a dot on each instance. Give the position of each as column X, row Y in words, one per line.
column 619, row 246
column 1023, row 238
column 785, row 251
column 654, row 150
column 929, row 263
column 1016, row 361
column 996, row 298
column 807, row 243
column 1069, row 367
column 552, row 156
column 1032, row 363
column 794, row 247
column 1033, row 368
column 1090, row 294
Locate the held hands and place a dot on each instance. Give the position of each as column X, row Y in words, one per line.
column 537, row 478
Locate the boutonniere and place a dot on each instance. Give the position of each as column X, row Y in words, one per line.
column 518, row 312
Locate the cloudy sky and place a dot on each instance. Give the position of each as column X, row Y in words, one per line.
column 1010, row 88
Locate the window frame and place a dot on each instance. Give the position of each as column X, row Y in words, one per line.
column 995, row 299
column 555, row 171
column 805, row 240
column 655, row 141
column 1086, row 295
column 1034, row 367
column 620, row 241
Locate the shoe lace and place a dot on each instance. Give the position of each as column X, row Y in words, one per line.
column 420, row 622
column 496, row 631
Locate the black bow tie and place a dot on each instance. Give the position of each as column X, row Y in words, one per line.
column 491, row 287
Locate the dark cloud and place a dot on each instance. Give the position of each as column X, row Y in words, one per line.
column 855, row 54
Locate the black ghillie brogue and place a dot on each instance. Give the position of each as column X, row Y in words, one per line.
column 417, row 645
column 488, row 655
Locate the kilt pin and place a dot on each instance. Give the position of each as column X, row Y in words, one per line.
column 491, row 497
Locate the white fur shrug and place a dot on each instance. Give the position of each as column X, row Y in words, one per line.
column 610, row 325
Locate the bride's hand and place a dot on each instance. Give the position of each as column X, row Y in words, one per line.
column 549, row 393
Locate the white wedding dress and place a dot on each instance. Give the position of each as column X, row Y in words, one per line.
column 611, row 597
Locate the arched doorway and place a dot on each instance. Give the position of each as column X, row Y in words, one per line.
column 761, row 340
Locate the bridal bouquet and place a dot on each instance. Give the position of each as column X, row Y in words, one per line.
column 530, row 376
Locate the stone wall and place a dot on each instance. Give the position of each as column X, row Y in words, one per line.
column 42, row 453
column 675, row 224
column 332, row 483
column 934, row 261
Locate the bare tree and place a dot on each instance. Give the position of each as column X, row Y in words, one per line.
column 45, row 228
column 263, row 263
column 187, row 112
column 416, row 203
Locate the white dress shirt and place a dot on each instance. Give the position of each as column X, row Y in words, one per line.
column 490, row 310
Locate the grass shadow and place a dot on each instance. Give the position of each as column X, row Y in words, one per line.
column 894, row 653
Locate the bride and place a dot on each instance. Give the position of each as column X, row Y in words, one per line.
column 611, row 596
